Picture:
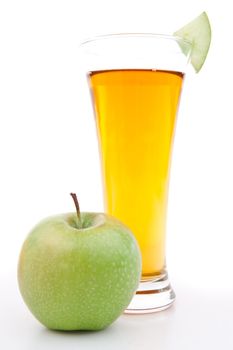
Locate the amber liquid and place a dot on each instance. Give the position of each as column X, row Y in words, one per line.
column 135, row 115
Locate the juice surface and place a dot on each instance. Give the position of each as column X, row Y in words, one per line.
column 135, row 116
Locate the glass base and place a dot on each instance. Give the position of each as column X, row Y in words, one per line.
column 153, row 295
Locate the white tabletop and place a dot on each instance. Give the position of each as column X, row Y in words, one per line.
column 200, row 319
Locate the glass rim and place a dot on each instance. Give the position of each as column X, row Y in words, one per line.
column 97, row 38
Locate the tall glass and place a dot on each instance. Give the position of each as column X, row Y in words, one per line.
column 135, row 82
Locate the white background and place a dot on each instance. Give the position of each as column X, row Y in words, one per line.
column 48, row 148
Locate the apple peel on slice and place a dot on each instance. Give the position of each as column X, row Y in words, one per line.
column 198, row 32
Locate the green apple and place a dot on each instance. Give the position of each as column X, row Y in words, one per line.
column 79, row 271
column 198, row 32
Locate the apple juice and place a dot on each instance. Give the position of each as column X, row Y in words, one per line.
column 135, row 117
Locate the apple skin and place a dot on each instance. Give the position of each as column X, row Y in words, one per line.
column 74, row 278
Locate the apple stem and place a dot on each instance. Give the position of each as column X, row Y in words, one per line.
column 75, row 199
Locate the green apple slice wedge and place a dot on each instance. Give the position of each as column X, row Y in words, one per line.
column 198, row 32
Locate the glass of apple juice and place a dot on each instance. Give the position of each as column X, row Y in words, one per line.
column 135, row 82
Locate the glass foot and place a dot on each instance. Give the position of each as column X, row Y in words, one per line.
column 152, row 296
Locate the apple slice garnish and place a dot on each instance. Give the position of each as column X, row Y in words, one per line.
column 198, row 32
